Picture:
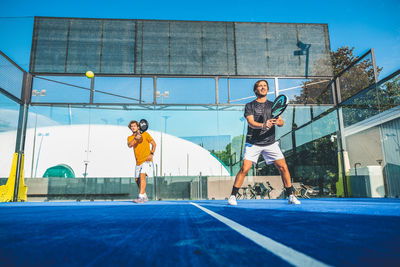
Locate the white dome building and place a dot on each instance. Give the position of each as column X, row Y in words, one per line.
column 104, row 149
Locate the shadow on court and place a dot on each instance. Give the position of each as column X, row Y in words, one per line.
column 339, row 232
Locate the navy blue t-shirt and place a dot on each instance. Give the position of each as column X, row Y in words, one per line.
column 261, row 113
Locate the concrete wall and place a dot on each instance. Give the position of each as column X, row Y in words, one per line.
column 220, row 187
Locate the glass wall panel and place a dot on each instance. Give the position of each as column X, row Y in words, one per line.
column 389, row 100
column 286, row 142
column 314, row 167
column 318, row 110
column 306, row 91
column 120, row 89
column 360, row 107
column 91, row 143
column 287, row 117
column 186, row 91
column 313, row 162
column 371, row 116
column 391, row 150
column 302, row 115
column 388, row 92
column 311, row 153
column 357, row 78
column 62, row 89
column 147, row 90
column 366, row 176
column 241, row 90
column 223, row 91
column 94, row 141
column 304, row 135
column 56, row 136
column 324, row 126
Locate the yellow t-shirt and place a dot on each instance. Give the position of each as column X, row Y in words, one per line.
column 142, row 148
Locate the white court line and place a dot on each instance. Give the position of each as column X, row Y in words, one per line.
column 287, row 254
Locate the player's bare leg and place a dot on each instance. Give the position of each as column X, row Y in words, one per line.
column 281, row 165
column 142, row 183
column 283, row 169
column 246, row 166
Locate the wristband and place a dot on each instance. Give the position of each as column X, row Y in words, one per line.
column 264, row 125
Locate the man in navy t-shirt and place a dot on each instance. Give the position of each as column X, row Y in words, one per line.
column 260, row 139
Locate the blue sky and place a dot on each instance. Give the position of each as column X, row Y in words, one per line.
column 362, row 24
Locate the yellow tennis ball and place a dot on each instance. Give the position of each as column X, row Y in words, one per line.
column 89, row 74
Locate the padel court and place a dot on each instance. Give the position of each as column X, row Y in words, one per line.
column 340, row 137
column 320, row 232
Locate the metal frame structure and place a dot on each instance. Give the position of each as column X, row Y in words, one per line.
column 152, row 105
column 26, row 99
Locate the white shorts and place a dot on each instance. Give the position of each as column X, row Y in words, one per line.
column 146, row 167
column 270, row 152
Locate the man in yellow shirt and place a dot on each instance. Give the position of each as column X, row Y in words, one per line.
column 144, row 158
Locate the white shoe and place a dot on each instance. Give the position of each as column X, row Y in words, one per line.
column 232, row 200
column 293, row 200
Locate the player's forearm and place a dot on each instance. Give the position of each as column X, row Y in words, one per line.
column 255, row 125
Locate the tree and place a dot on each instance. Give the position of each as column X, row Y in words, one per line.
column 224, row 155
column 389, row 94
column 231, row 155
column 354, row 80
column 342, row 58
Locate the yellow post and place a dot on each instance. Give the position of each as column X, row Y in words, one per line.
column 7, row 190
column 340, row 182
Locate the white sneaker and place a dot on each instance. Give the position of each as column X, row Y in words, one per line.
column 232, row 200
column 141, row 199
column 293, row 200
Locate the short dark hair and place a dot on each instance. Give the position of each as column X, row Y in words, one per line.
column 257, row 82
column 135, row 122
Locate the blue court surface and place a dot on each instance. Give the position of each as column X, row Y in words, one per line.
column 320, row 232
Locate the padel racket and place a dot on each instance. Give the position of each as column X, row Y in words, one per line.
column 143, row 125
column 279, row 106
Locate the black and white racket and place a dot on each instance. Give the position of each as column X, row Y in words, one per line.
column 279, row 106
column 143, row 125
